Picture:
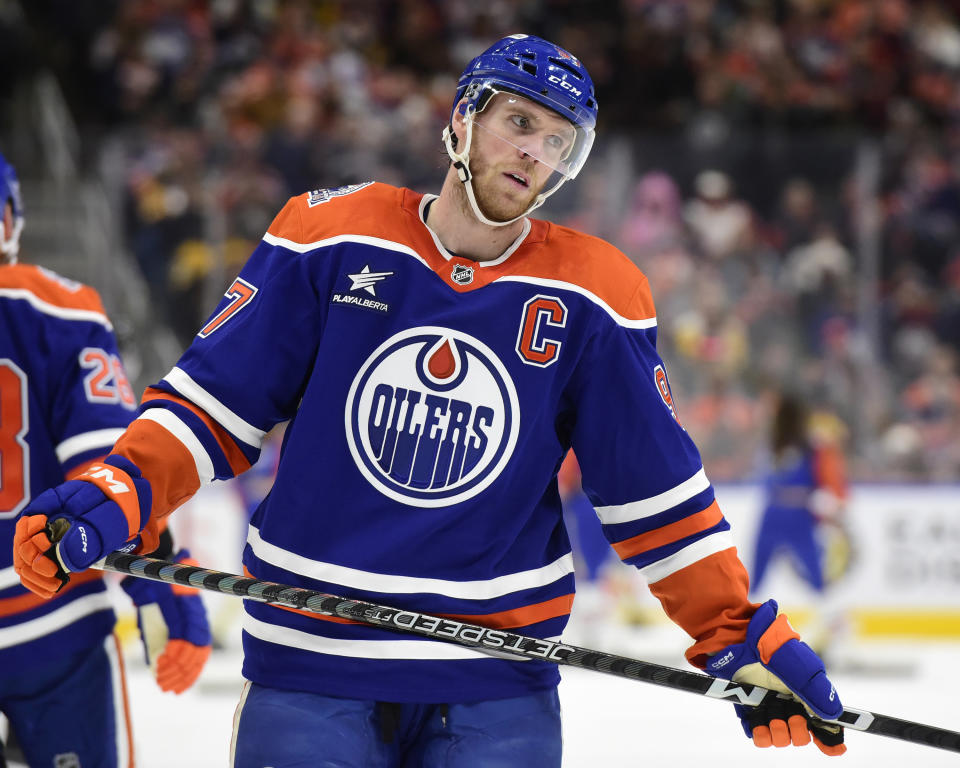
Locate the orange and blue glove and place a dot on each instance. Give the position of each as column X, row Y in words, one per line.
column 106, row 508
column 774, row 657
column 173, row 627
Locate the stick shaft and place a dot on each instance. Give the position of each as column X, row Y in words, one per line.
column 500, row 641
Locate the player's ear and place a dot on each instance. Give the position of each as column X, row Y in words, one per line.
column 457, row 121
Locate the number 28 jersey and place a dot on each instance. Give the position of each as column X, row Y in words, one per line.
column 64, row 400
column 432, row 400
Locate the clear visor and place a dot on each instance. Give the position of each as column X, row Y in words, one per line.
column 536, row 131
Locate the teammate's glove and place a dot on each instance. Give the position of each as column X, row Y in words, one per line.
column 69, row 527
column 773, row 656
column 173, row 627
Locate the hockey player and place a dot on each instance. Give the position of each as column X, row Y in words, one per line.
column 64, row 400
column 804, row 504
column 437, row 356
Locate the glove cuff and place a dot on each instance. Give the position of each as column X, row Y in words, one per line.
column 121, row 481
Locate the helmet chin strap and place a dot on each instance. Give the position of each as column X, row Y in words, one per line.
column 461, row 161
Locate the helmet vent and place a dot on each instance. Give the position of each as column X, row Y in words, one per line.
column 526, row 66
column 561, row 63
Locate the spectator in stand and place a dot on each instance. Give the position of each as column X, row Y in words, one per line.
column 722, row 225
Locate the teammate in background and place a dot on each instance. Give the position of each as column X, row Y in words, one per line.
column 64, row 400
column 805, row 497
column 437, row 357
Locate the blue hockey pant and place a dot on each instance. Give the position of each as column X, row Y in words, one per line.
column 70, row 711
column 292, row 729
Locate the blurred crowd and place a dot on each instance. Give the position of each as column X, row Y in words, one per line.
column 792, row 184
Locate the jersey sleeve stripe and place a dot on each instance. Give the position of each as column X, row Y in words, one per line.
column 708, row 545
column 8, row 578
column 376, row 242
column 170, row 422
column 55, row 620
column 88, row 441
column 209, row 444
column 234, row 456
column 654, row 505
column 370, row 581
column 639, row 323
column 668, row 534
column 64, row 313
column 180, row 380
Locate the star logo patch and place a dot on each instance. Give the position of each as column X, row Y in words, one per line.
column 365, row 280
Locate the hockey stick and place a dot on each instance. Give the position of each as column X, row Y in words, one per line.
column 501, row 641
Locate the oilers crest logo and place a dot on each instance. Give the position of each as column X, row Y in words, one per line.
column 663, row 387
column 432, row 417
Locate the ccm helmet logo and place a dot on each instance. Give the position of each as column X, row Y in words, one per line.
column 566, row 85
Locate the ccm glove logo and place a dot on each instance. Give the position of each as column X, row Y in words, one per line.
column 106, row 474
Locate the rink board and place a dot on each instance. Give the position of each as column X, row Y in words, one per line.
column 904, row 576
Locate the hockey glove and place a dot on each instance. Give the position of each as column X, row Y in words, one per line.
column 101, row 511
column 173, row 627
column 774, row 657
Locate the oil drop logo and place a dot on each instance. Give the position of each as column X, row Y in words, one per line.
column 432, row 417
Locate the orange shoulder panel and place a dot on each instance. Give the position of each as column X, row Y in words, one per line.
column 50, row 287
column 596, row 265
column 373, row 210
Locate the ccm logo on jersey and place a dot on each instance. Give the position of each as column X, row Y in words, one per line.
column 240, row 294
column 663, row 387
column 432, row 417
column 533, row 345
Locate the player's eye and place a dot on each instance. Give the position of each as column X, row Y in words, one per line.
column 521, row 121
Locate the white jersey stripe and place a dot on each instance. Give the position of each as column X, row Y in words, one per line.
column 654, row 505
column 51, row 622
column 8, row 578
column 376, row 242
column 701, row 548
column 87, row 441
column 649, row 322
column 361, row 649
column 352, row 578
column 175, row 426
column 63, row 313
column 180, row 380
column 561, row 285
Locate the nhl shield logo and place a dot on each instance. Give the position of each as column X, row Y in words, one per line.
column 462, row 275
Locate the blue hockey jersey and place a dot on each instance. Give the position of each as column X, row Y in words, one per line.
column 432, row 400
column 64, row 400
